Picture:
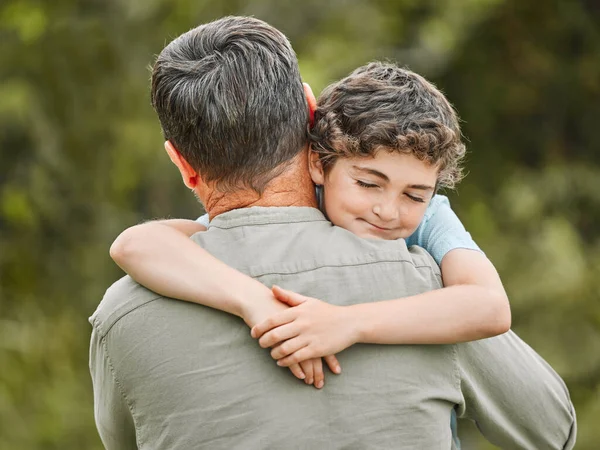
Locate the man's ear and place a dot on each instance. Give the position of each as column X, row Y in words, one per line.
column 188, row 174
column 312, row 104
column 315, row 167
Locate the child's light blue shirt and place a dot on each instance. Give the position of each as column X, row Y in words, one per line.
column 203, row 220
column 439, row 232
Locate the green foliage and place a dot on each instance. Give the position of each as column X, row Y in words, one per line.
column 81, row 158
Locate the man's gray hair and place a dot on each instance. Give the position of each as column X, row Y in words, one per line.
column 229, row 97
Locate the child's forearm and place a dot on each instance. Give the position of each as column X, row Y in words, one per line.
column 450, row 315
column 473, row 305
column 165, row 260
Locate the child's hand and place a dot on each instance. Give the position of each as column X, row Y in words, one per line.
column 309, row 329
column 313, row 369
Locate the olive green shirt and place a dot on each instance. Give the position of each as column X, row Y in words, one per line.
column 174, row 375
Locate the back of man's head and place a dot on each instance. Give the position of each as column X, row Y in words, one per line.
column 230, row 99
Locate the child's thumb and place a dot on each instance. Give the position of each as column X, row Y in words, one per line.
column 288, row 297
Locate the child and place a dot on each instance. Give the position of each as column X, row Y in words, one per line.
column 384, row 140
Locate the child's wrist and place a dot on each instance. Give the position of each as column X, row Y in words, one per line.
column 353, row 317
column 257, row 305
column 238, row 302
column 246, row 310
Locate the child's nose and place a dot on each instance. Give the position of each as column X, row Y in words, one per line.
column 386, row 213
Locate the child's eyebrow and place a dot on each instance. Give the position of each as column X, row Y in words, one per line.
column 377, row 173
column 422, row 187
column 384, row 177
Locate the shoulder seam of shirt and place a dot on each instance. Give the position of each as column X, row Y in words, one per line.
column 260, row 224
column 104, row 332
column 260, row 273
column 121, row 390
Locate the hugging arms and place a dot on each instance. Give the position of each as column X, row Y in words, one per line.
column 386, row 194
column 472, row 305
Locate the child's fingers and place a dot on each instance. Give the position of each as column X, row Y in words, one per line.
column 308, row 369
column 278, row 335
column 318, row 371
column 301, row 355
column 297, row 371
column 273, row 322
column 333, row 364
column 288, row 297
column 287, row 348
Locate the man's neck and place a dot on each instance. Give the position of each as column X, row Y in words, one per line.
column 294, row 187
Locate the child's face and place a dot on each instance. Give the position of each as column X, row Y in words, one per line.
column 380, row 197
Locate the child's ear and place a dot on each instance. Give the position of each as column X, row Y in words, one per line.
column 315, row 167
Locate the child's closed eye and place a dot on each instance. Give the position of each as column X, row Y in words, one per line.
column 415, row 199
column 366, row 185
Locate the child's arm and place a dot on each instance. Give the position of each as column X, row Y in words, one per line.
column 473, row 304
column 160, row 256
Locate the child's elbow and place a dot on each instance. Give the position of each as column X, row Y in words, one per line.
column 502, row 319
column 121, row 248
column 503, row 325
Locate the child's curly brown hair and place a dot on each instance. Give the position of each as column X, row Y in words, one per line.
column 381, row 106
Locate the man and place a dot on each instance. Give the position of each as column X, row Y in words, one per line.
column 175, row 375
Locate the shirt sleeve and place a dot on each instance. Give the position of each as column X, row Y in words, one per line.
column 441, row 230
column 203, row 220
column 113, row 416
column 516, row 399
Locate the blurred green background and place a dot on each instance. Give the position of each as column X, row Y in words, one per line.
column 81, row 158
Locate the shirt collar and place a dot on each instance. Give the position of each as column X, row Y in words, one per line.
column 260, row 215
